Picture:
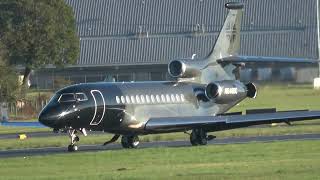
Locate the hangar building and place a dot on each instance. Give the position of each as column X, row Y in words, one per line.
column 133, row 40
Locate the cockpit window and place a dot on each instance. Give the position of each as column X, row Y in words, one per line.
column 81, row 97
column 67, row 97
column 71, row 97
column 54, row 98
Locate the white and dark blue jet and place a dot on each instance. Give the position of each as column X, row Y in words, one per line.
column 197, row 101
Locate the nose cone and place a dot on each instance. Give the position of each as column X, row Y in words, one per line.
column 46, row 119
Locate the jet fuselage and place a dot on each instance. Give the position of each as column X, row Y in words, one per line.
column 124, row 108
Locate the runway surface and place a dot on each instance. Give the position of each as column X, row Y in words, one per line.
column 93, row 148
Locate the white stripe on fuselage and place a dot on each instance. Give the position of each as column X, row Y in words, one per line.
column 96, row 108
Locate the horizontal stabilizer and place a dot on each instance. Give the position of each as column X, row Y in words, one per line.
column 253, row 61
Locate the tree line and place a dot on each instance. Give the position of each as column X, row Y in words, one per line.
column 33, row 34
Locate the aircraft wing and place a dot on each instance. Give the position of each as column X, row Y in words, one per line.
column 224, row 122
column 22, row 124
column 260, row 61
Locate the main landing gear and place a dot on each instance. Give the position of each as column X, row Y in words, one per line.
column 200, row 137
column 131, row 141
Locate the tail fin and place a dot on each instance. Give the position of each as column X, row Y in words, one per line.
column 228, row 42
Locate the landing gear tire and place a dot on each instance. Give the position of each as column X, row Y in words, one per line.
column 194, row 139
column 198, row 137
column 124, row 142
column 130, row 141
column 72, row 148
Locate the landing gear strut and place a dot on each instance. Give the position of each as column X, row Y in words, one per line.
column 113, row 139
column 130, row 141
column 74, row 138
column 200, row 137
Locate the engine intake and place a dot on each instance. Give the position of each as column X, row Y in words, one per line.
column 183, row 69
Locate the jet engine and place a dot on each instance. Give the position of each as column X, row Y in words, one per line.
column 224, row 92
column 183, row 69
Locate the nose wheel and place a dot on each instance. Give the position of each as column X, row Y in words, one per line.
column 72, row 148
column 73, row 138
column 130, row 141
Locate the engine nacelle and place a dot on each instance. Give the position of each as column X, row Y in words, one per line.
column 224, row 92
column 183, row 69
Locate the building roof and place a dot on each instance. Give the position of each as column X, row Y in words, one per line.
column 124, row 32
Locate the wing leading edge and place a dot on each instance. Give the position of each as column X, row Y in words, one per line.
column 218, row 123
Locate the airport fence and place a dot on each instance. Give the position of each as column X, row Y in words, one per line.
column 25, row 109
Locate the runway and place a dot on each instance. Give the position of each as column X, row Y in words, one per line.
column 93, row 148
column 51, row 134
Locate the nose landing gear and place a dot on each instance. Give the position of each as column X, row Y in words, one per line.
column 131, row 141
column 74, row 138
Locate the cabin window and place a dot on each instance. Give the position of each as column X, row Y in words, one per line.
column 182, row 98
column 67, row 97
column 142, row 99
column 168, row 98
column 147, row 99
column 158, row 98
column 177, row 98
column 173, row 99
column 153, row 99
column 138, row 99
column 133, row 100
column 128, row 99
column 123, row 100
column 118, row 99
column 163, row 98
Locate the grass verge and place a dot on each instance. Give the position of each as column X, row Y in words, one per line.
column 278, row 160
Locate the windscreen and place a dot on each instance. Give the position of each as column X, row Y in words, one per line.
column 67, row 97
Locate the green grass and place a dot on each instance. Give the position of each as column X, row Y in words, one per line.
column 18, row 130
column 289, row 97
column 279, row 160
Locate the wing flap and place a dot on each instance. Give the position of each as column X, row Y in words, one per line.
column 224, row 122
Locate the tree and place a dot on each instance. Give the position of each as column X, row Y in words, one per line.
column 9, row 85
column 37, row 33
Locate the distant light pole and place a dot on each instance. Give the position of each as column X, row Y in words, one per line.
column 316, row 81
column 318, row 33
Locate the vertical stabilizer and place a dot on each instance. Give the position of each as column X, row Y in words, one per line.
column 228, row 42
